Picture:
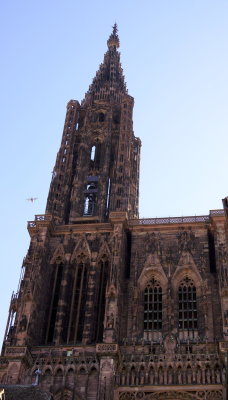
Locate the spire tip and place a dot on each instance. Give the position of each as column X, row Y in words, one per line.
column 113, row 41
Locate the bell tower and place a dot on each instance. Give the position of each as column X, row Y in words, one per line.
column 97, row 166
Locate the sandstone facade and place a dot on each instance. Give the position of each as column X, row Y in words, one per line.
column 111, row 306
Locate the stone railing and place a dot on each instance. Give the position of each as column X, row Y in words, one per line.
column 39, row 219
column 107, row 348
column 217, row 212
column 15, row 351
column 175, row 220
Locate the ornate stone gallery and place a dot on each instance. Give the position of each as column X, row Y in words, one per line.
column 111, row 306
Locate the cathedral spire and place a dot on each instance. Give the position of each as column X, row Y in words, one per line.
column 108, row 84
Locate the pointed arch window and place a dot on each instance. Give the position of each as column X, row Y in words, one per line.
column 56, row 279
column 103, row 277
column 187, row 305
column 92, row 153
column 78, row 301
column 153, row 306
column 101, row 117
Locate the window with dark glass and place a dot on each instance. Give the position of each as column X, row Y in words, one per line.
column 153, row 306
column 101, row 117
column 187, row 305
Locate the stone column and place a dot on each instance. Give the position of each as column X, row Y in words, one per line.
column 108, row 355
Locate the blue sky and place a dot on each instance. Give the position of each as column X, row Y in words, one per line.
column 175, row 59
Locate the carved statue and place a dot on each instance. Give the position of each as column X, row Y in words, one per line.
column 217, row 376
column 208, row 375
column 189, row 376
column 198, row 376
column 110, row 321
column 170, row 376
column 23, row 323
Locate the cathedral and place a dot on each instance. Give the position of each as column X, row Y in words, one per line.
column 111, row 306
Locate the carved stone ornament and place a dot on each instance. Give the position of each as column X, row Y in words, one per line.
column 186, row 240
column 173, row 395
column 170, row 343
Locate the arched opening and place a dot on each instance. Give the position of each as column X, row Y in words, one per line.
column 81, row 378
column 95, row 155
column 89, row 204
column 208, row 374
column 189, row 375
column 46, row 379
column 92, row 384
column 92, row 153
column 142, row 375
column 58, row 379
column 70, row 378
column 160, row 376
column 198, row 375
column 101, row 117
column 151, row 376
column 132, row 376
column 170, row 376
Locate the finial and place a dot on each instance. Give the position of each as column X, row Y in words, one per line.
column 113, row 41
column 115, row 29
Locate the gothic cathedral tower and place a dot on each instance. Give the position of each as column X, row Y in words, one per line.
column 97, row 167
column 110, row 306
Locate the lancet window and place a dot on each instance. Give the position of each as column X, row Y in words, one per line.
column 90, row 196
column 89, row 204
column 187, row 305
column 78, row 301
column 92, row 153
column 103, row 276
column 95, row 155
column 153, row 306
column 56, row 279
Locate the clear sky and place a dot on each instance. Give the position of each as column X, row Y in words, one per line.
column 175, row 59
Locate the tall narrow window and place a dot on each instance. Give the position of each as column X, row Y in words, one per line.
column 101, row 301
column 153, row 306
column 92, row 153
column 101, row 117
column 78, row 301
column 57, row 278
column 95, row 155
column 187, row 305
column 89, row 204
column 108, row 196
